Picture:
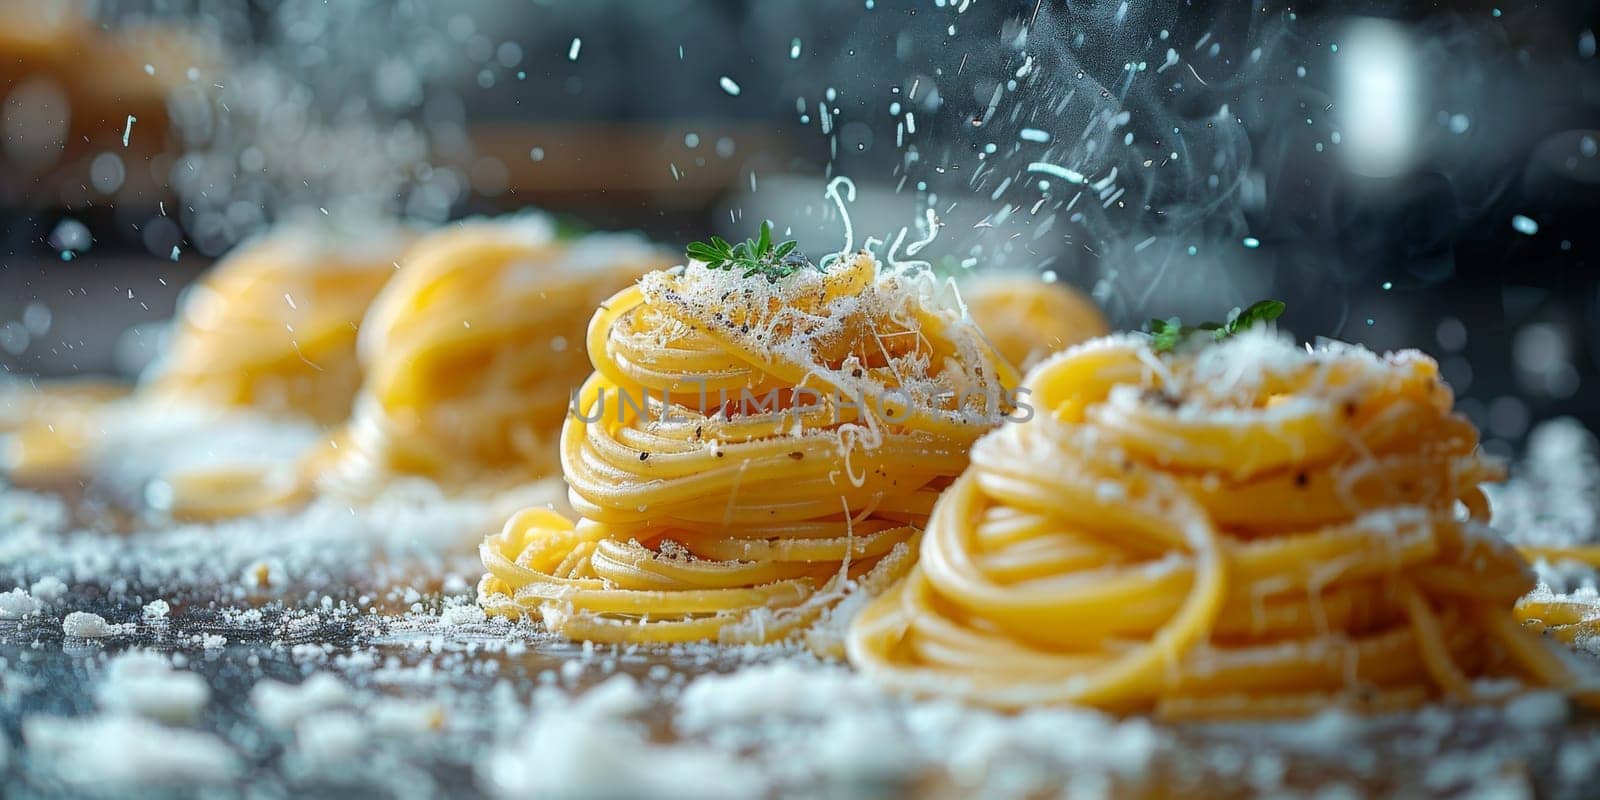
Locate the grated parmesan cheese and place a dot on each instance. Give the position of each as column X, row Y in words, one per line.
column 17, row 604
column 85, row 625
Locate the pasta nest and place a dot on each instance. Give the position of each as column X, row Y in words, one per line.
column 273, row 327
column 1027, row 319
column 1239, row 529
column 472, row 352
column 749, row 452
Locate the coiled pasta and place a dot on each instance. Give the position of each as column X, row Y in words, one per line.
column 273, row 326
column 1027, row 319
column 268, row 335
column 1242, row 529
column 44, row 428
column 748, row 452
column 1569, row 619
column 472, row 351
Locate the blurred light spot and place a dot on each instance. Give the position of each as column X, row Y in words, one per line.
column 489, row 176
column 1508, row 417
column 160, row 235
column 855, row 135
column 1456, row 371
column 1562, row 382
column 1540, row 347
column 1451, row 333
column 1524, row 225
column 397, row 84
column 1376, row 95
column 71, row 235
column 14, row 338
column 509, row 54
column 107, row 173
column 138, row 346
column 36, row 318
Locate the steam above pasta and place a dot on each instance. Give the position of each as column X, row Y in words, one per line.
column 748, row 452
column 1241, row 529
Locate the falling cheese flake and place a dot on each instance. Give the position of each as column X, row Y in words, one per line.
column 127, row 130
column 729, row 86
column 1070, row 176
column 572, row 52
column 794, row 49
column 1524, row 225
column 1033, row 135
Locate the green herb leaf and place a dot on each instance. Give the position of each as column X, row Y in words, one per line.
column 752, row 257
column 1167, row 334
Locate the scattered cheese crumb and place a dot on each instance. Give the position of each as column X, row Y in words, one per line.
column 144, row 684
column 330, row 736
column 48, row 589
column 462, row 614
column 17, row 604
column 85, row 625
column 114, row 752
column 281, row 705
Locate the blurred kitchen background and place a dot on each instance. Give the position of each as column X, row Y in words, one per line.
column 1402, row 174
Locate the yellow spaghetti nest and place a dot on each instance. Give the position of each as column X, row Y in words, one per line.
column 45, row 428
column 271, row 331
column 747, row 453
column 1027, row 319
column 473, row 350
column 1243, row 529
column 273, row 326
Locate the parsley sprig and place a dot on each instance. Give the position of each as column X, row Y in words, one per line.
column 1167, row 334
column 757, row 256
